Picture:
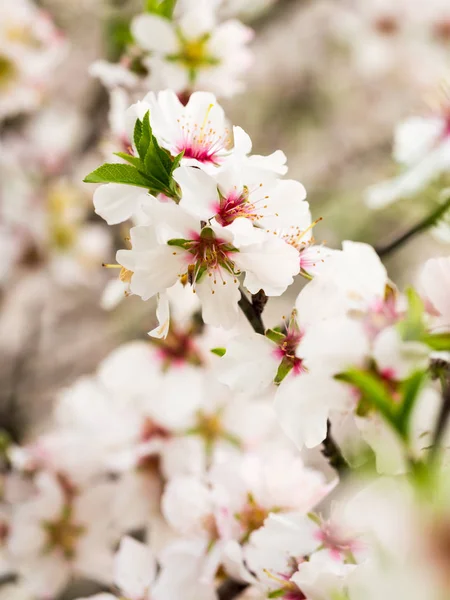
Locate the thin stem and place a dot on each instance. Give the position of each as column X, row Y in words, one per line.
column 423, row 225
column 253, row 310
column 444, row 413
column 332, row 452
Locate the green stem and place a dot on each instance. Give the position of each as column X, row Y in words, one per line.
column 427, row 222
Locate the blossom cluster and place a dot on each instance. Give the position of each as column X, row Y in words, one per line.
column 304, row 460
column 386, row 37
column 30, row 49
column 195, row 45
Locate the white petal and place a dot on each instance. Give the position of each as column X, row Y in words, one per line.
column 186, row 503
column 116, row 203
column 303, row 404
column 219, row 296
column 398, row 358
column 163, row 316
column 199, row 192
column 250, row 363
column 153, row 271
column 270, row 266
column 135, row 568
column 155, row 33
column 334, row 345
column 435, row 283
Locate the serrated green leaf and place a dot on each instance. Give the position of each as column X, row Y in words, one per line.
column 158, row 163
column 437, row 341
column 176, row 162
column 134, row 160
column 118, row 173
column 219, row 351
column 146, row 137
column 137, row 134
column 373, row 391
column 275, row 336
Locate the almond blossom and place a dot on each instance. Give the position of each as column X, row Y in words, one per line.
column 60, row 533
column 207, row 259
column 194, row 52
column 134, row 572
column 30, row 49
column 422, row 149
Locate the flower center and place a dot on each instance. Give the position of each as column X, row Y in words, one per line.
column 63, row 534
column 237, row 204
column 209, row 254
column 7, row 72
column 252, row 517
column 286, row 350
column 387, row 25
column 178, row 348
column 201, row 141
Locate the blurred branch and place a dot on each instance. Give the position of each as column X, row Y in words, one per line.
column 441, row 370
column 423, row 225
column 230, row 589
column 332, row 452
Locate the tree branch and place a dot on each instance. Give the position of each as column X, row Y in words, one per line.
column 253, row 309
column 332, row 452
column 230, row 589
column 441, row 370
column 427, row 222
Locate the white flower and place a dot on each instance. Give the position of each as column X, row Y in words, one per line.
column 205, row 258
column 134, row 572
column 243, row 193
column 435, row 285
column 60, row 533
column 193, row 53
column 422, row 148
column 30, row 49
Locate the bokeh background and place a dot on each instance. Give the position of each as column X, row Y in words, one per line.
column 330, row 81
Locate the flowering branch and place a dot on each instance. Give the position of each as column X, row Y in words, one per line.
column 424, row 224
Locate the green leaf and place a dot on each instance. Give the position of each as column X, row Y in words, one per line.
column 219, row 351
column 373, row 392
column 137, row 134
column 437, row 341
column 277, row 593
column 134, row 160
column 176, row 162
column 412, row 328
column 284, row 369
column 179, row 242
column 158, row 163
column 146, row 136
column 411, row 388
column 118, row 173
column 164, row 8
column 275, row 336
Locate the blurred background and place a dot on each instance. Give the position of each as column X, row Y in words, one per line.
column 330, row 81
